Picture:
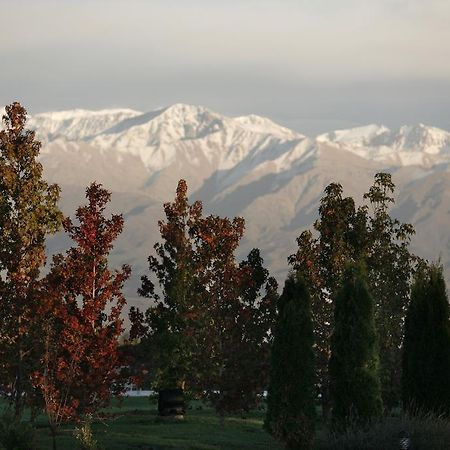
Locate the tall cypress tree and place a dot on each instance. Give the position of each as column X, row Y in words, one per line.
column 355, row 383
column 426, row 349
column 291, row 397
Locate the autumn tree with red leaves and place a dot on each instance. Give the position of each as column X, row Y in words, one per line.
column 83, row 301
column 28, row 214
column 236, row 339
column 218, row 239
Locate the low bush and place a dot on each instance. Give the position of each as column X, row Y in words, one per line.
column 419, row 432
column 84, row 436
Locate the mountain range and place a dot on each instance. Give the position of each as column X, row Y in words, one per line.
column 248, row 166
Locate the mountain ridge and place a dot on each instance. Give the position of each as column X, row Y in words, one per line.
column 246, row 165
column 127, row 130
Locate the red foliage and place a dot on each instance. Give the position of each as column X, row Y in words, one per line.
column 236, row 340
column 82, row 301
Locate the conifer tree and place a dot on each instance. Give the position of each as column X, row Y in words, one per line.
column 426, row 347
column 28, row 214
column 354, row 378
column 291, row 396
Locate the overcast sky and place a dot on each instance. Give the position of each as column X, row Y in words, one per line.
column 313, row 65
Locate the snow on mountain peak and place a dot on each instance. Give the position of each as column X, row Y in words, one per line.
column 77, row 124
column 184, row 110
column 206, row 121
column 158, row 128
column 409, row 145
column 161, row 136
column 359, row 136
column 157, row 136
column 82, row 113
column 421, row 137
column 182, row 121
column 260, row 124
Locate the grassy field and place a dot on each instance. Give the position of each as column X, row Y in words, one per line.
column 134, row 426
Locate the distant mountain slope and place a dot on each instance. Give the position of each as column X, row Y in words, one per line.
column 409, row 145
column 249, row 166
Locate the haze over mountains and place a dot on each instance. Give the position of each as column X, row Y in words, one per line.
column 248, row 166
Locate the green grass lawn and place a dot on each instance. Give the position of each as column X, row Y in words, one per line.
column 134, row 426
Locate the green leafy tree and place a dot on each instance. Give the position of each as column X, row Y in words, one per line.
column 354, row 366
column 291, row 395
column 28, row 214
column 167, row 328
column 255, row 325
column 426, row 349
column 390, row 267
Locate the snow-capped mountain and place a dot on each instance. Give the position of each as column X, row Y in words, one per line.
column 249, row 166
column 161, row 137
column 157, row 137
column 409, row 145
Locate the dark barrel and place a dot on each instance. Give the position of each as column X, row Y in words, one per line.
column 171, row 402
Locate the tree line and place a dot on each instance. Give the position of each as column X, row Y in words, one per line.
column 345, row 325
column 363, row 324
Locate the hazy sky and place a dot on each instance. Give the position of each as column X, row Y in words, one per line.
column 312, row 65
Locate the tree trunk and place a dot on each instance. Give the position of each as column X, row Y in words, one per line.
column 326, row 404
column 33, row 414
column 221, row 412
column 53, row 432
column 18, row 385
